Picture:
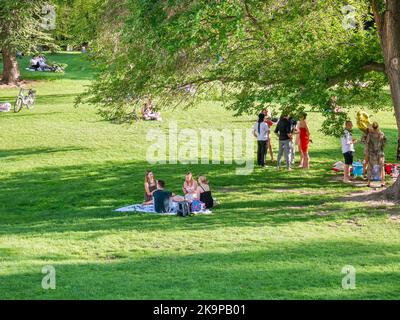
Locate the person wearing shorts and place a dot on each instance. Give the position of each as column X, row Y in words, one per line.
column 348, row 150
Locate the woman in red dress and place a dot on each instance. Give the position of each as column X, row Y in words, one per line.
column 304, row 141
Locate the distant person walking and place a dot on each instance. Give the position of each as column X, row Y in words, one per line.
column 375, row 144
column 348, row 150
column 284, row 132
column 261, row 132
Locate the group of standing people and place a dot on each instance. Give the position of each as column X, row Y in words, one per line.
column 290, row 132
column 374, row 142
column 156, row 194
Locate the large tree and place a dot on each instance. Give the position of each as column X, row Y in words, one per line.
column 78, row 21
column 272, row 53
column 22, row 27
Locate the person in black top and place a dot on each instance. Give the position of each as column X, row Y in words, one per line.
column 284, row 132
column 204, row 192
column 161, row 198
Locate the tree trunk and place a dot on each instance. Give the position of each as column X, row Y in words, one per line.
column 389, row 30
column 11, row 74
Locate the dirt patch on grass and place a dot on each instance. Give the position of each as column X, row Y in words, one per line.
column 296, row 191
column 395, row 218
column 21, row 83
column 372, row 198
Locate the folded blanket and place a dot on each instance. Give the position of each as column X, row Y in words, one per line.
column 150, row 209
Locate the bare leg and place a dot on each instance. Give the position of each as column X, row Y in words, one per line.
column 301, row 159
column 346, row 177
column 365, row 166
column 306, row 160
column 270, row 150
column 383, row 176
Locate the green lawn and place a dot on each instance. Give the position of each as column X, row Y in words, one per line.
column 275, row 235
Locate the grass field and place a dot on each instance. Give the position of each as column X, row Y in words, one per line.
column 275, row 235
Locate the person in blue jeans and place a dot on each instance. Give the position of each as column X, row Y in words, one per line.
column 284, row 132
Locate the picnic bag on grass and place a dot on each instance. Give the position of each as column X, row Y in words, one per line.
column 197, row 206
column 183, row 209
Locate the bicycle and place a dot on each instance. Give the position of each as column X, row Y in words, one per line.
column 23, row 100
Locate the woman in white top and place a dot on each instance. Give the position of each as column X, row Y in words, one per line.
column 261, row 132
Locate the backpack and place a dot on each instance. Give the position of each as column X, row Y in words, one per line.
column 183, row 209
column 197, row 206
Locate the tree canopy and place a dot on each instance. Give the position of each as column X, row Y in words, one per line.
column 77, row 21
column 253, row 54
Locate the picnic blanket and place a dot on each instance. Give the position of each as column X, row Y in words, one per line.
column 150, row 209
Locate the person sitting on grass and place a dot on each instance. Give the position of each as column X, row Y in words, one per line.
column 190, row 187
column 375, row 144
column 5, row 107
column 148, row 112
column 34, row 63
column 204, row 192
column 348, row 150
column 162, row 198
column 150, row 185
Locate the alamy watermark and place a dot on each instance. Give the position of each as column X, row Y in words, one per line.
column 49, row 280
column 349, row 280
column 349, row 21
column 203, row 146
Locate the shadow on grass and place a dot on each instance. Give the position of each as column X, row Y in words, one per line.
column 308, row 270
column 17, row 153
column 83, row 198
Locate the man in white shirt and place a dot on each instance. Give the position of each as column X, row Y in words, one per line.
column 348, row 149
column 261, row 132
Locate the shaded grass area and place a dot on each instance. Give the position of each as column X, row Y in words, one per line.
column 78, row 67
column 275, row 235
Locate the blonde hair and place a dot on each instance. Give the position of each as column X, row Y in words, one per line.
column 191, row 181
column 203, row 180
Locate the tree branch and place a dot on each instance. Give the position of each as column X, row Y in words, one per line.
column 377, row 16
column 369, row 67
column 254, row 20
